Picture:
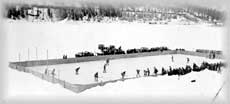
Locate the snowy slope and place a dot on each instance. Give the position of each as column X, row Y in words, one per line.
column 24, row 84
column 166, row 88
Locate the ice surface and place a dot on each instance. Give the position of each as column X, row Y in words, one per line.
column 88, row 69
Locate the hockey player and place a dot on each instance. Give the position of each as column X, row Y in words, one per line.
column 96, row 77
column 123, row 74
column 138, row 73
column 77, row 70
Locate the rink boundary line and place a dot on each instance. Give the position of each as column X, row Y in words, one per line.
column 104, row 57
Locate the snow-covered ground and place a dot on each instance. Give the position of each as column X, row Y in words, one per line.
column 25, row 84
column 130, row 65
column 72, row 37
column 166, row 88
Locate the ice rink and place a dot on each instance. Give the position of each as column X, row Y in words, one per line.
column 204, row 89
column 116, row 67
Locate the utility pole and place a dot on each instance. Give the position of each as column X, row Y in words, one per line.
column 36, row 53
column 28, row 54
column 47, row 54
column 47, row 58
column 19, row 57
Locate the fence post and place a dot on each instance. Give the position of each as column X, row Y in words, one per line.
column 28, row 54
column 19, row 57
column 36, row 53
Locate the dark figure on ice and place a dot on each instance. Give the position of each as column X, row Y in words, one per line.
column 170, row 68
column 105, row 66
column 212, row 55
column 53, row 72
column 107, row 61
column 123, row 74
column 172, row 58
column 188, row 68
column 195, row 67
column 148, row 72
column 188, row 60
column 96, row 76
column 145, row 73
column 77, row 70
column 179, row 72
column 203, row 65
column 64, row 56
column 155, row 70
column 46, row 71
column 163, row 72
column 138, row 73
column 219, row 67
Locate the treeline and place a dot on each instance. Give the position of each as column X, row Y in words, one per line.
column 113, row 50
column 92, row 12
column 72, row 13
column 208, row 51
column 105, row 50
column 16, row 13
column 145, row 49
column 110, row 50
column 204, row 13
column 84, row 54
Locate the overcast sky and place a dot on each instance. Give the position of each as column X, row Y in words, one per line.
column 218, row 4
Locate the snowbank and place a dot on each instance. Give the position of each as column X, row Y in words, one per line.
column 25, row 85
column 166, row 87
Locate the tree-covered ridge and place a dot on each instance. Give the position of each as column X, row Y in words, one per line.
column 100, row 13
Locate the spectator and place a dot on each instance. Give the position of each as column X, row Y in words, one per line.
column 138, row 73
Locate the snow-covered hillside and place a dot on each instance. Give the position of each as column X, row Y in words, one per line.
column 24, row 85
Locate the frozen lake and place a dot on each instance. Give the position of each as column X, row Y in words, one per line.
column 70, row 38
column 88, row 69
